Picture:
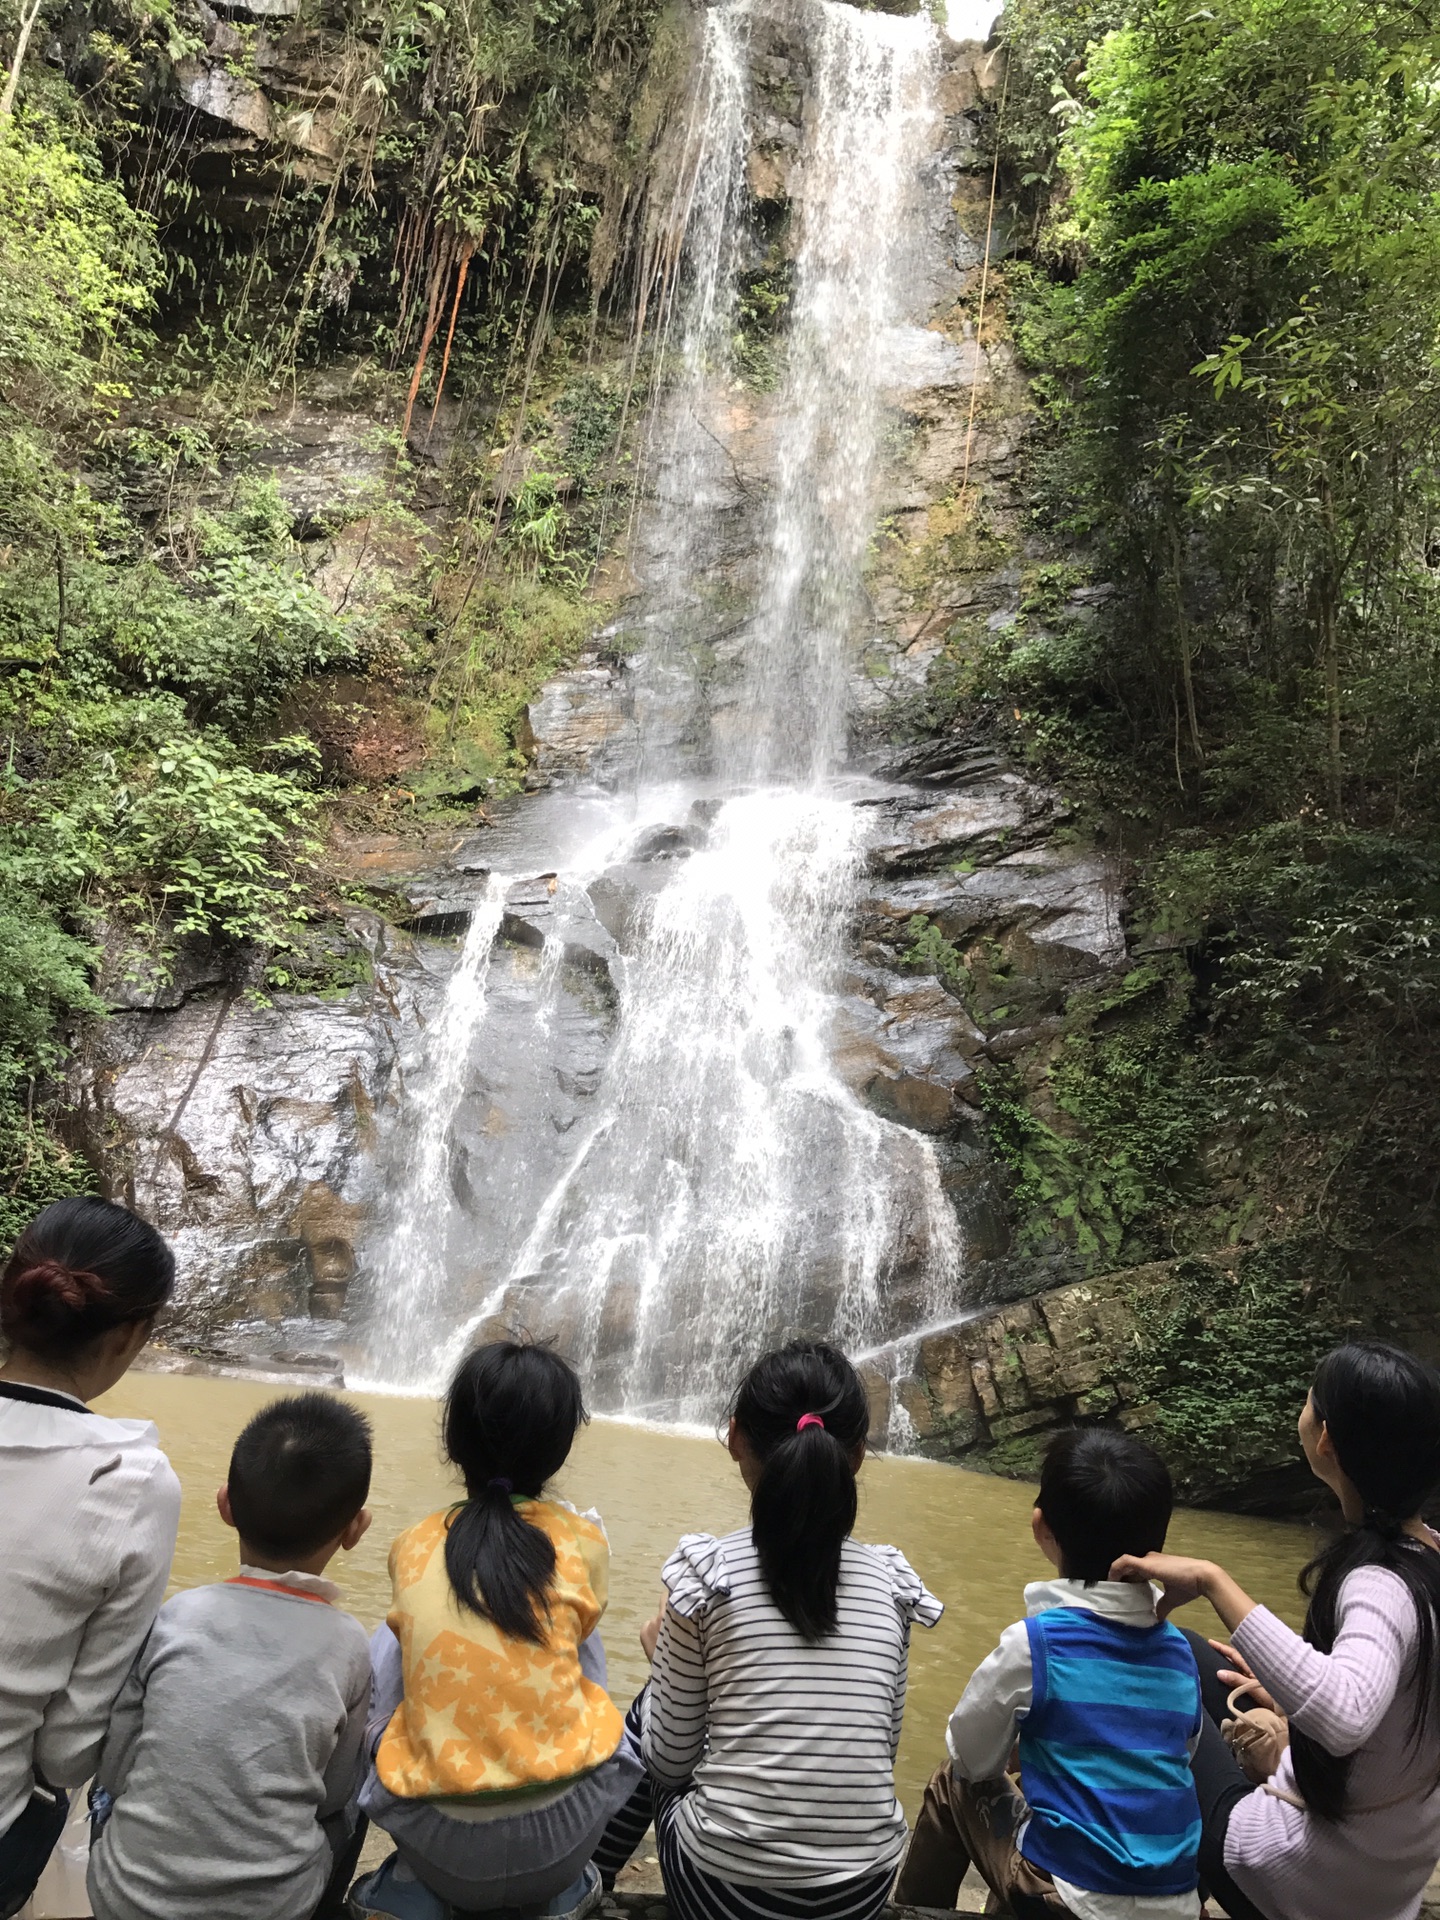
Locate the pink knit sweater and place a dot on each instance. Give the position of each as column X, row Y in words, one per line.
column 1373, row 1863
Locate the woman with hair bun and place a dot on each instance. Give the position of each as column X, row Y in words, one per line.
column 89, row 1510
column 779, row 1665
column 1333, row 1811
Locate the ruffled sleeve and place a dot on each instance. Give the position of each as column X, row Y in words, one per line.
column 695, row 1574
column 917, row 1605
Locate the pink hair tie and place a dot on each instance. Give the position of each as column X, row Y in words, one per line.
column 808, row 1420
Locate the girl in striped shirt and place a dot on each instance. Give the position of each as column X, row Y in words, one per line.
column 779, row 1661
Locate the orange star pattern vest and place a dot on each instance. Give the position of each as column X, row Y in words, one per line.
column 482, row 1713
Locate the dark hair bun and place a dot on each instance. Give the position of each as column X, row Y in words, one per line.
column 81, row 1267
column 51, row 1296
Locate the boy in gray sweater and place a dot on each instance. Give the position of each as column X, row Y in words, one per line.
column 234, row 1749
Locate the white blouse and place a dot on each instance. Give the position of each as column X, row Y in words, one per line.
column 89, row 1511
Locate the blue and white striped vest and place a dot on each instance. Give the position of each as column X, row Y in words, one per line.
column 1104, row 1756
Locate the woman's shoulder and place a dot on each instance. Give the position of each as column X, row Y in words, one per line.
column 128, row 1452
column 1375, row 1589
column 702, row 1569
column 1378, row 1604
column 889, row 1567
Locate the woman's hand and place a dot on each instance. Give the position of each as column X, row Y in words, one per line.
column 1183, row 1580
column 1186, row 1580
column 1258, row 1738
column 1241, row 1673
column 650, row 1633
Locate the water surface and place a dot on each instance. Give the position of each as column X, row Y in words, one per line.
column 966, row 1534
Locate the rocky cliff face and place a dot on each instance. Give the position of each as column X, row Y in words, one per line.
column 261, row 1130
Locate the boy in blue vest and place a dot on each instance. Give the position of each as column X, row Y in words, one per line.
column 1104, row 1700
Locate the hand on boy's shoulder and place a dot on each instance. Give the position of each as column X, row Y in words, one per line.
column 1183, row 1580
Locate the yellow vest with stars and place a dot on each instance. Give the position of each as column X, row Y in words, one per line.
column 482, row 1713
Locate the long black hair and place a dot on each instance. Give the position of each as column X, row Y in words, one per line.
column 806, row 1417
column 82, row 1267
column 511, row 1417
column 1382, row 1409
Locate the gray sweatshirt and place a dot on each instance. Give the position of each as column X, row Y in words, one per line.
column 238, row 1730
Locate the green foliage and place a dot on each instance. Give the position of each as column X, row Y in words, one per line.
column 760, row 308
column 1130, row 1112
column 1229, row 1358
column 1322, row 954
column 77, row 266
column 1232, row 322
column 35, row 1168
column 539, row 526
column 930, row 952
column 206, row 840
column 1241, row 385
column 44, row 984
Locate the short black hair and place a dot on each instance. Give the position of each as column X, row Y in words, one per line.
column 1103, row 1494
column 299, row 1474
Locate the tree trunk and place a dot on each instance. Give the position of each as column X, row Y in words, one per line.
column 1329, row 593
column 27, row 27
column 1182, row 623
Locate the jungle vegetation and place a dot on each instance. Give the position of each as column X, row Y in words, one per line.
column 1226, row 293
column 433, row 193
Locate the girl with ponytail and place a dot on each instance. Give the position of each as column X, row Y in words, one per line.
column 497, row 1758
column 1345, row 1818
column 89, row 1509
column 772, row 1716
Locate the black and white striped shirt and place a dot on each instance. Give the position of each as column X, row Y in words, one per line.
column 791, row 1746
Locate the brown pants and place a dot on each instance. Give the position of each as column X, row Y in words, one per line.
column 973, row 1823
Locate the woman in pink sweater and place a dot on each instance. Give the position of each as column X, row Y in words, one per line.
column 1347, row 1826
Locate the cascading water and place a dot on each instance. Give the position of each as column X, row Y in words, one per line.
column 409, row 1264
column 730, row 1187
column 872, row 117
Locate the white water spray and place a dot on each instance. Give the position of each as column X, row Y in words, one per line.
column 411, row 1281
column 730, row 1187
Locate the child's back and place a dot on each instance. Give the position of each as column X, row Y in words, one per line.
column 790, row 1741
column 1105, row 1745
column 240, row 1726
column 1103, row 1699
column 239, row 1730
column 484, row 1711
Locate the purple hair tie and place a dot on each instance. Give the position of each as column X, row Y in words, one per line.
column 505, row 1486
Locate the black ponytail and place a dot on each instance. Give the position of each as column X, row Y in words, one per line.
column 805, row 1415
column 511, row 1417
column 1382, row 1409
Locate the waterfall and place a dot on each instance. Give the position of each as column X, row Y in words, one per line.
column 730, row 1187
column 410, row 1270
column 871, row 119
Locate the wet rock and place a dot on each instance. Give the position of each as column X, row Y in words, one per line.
column 225, row 96
column 129, row 978
column 1058, row 911
column 907, row 1047
column 983, row 819
column 990, row 1388
column 917, row 359
column 242, row 1131
column 577, row 723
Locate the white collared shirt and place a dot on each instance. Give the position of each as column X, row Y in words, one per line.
column 982, row 1730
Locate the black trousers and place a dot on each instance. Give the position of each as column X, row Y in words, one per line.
column 27, row 1844
column 1220, row 1784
